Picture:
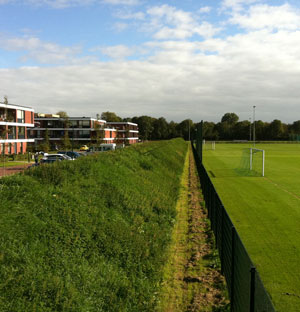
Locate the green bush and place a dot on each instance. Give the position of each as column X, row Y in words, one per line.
column 92, row 234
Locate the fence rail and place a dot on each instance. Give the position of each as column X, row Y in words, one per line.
column 246, row 290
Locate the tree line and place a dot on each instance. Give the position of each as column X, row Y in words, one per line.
column 229, row 128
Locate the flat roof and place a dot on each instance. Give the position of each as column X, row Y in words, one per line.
column 70, row 118
column 15, row 106
column 122, row 123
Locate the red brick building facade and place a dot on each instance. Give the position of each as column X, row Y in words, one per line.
column 15, row 121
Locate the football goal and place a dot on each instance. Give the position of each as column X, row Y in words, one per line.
column 209, row 145
column 257, row 160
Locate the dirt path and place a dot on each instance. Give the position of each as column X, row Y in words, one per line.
column 192, row 278
column 5, row 171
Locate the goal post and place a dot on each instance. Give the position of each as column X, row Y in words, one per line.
column 209, row 145
column 254, row 151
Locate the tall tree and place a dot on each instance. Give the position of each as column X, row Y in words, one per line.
column 185, row 129
column 65, row 139
column 295, row 127
column 62, row 114
column 231, row 118
column 241, row 130
column 209, row 131
column 46, row 144
column 145, row 126
column 172, row 130
column 161, row 129
column 110, row 117
column 275, row 130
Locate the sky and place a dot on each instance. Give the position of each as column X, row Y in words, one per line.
column 177, row 59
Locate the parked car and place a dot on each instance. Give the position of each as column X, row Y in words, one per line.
column 71, row 154
column 84, row 148
column 50, row 158
column 107, row 147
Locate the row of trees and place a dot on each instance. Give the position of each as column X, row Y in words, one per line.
column 229, row 128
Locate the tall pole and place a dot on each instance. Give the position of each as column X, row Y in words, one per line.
column 254, row 125
column 250, row 131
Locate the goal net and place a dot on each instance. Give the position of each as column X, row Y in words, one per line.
column 252, row 162
column 257, row 160
column 209, row 145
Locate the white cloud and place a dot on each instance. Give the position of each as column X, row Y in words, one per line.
column 237, row 5
column 198, row 80
column 42, row 52
column 130, row 15
column 180, row 79
column 268, row 17
column 116, row 52
column 205, row 9
column 170, row 23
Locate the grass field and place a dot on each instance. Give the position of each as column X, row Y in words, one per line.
column 265, row 211
column 8, row 164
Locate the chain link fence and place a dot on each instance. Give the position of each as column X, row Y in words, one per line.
column 246, row 290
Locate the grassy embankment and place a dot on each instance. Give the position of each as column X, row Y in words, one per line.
column 265, row 212
column 90, row 235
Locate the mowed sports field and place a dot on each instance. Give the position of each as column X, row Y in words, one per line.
column 265, row 211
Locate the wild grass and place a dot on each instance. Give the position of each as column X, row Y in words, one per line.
column 92, row 234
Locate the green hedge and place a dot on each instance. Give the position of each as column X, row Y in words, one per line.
column 90, row 234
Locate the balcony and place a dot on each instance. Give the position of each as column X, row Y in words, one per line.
column 7, row 115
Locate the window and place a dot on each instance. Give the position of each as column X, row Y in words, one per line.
column 11, row 115
column 73, row 123
column 50, row 124
column 84, row 134
column 21, row 132
column 12, row 133
column 84, row 124
column 20, row 116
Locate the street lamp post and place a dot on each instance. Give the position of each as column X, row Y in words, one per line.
column 254, row 125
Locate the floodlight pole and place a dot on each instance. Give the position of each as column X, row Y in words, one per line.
column 250, row 131
column 254, row 125
column 263, row 164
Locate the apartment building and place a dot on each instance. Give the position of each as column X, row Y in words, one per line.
column 81, row 130
column 15, row 120
column 127, row 132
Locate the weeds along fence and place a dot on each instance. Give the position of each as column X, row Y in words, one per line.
column 246, row 290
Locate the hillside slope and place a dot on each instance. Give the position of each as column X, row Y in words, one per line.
column 89, row 235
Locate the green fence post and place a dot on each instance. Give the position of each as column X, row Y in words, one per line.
column 199, row 140
column 232, row 268
column 222, row 239
column 252, row 289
